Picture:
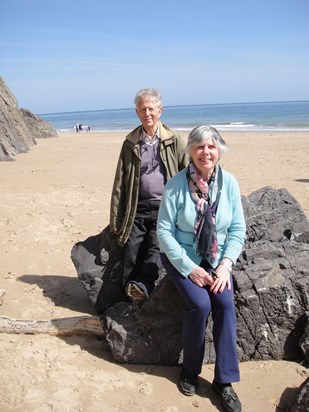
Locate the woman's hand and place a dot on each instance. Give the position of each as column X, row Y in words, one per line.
column 200, row 277
column 222, row 277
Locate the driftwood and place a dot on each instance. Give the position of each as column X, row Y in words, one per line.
column 79, row 325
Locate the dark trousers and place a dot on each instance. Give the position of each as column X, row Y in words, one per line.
column 199, row 303
column 141, row 253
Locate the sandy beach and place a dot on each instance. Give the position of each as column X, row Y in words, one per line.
column 58, row 194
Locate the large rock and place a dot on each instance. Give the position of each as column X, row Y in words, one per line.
column 98, row 261
column 19, row 128
column 271, row 291
column 300, row 403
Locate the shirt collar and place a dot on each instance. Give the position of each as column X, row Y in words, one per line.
column 148, row 139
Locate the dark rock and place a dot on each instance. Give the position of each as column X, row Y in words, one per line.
column 304, row 340
column 98, row 261
column 274, row 215
column 300, row 403
column 128, row 339
column 154, row 329
column 19, row 128
column 271, row 291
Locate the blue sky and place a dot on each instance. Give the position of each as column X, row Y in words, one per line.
column 71, row 55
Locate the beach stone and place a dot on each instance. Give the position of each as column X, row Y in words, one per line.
column 2, row 294
column 271, row 287
column 300, row 403
column 19, row 128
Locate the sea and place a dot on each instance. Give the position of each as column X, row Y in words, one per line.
column 257, row 116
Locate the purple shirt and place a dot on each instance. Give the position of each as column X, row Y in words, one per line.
column 152, row 178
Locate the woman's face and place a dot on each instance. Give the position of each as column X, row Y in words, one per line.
column 205, row 157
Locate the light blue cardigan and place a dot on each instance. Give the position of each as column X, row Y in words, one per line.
column 176, row 219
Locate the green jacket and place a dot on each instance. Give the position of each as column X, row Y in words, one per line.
column 126, row 183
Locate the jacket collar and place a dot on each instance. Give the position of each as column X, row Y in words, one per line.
column 165, row 134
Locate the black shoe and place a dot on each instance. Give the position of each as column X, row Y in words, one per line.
column 136, row 291
column 228, row 397
column 188, row 383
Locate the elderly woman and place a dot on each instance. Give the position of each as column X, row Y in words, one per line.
column 201, row 231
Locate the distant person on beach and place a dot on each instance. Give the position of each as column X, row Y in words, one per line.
column 201, row 230
column 77, row 127
column 150, row 155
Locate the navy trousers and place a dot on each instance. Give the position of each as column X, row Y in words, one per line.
column 199, row 303
column 141, row 252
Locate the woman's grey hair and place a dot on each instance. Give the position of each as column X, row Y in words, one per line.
column 200, row 134
column 146, row 93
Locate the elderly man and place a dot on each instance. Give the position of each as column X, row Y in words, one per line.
column 150, row 155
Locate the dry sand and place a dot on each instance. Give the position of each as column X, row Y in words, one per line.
column 58, row 194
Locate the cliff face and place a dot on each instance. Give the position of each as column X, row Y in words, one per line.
column 19, row 128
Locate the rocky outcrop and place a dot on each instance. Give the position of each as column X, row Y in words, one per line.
column 37, row 127
column 19, row 128
column 271, row 291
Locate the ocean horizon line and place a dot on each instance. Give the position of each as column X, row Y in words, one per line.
column 175, row 106
column 283, row 115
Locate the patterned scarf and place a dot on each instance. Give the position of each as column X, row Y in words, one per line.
column 206, row 196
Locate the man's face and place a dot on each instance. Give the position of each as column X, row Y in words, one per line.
column 148, row 112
